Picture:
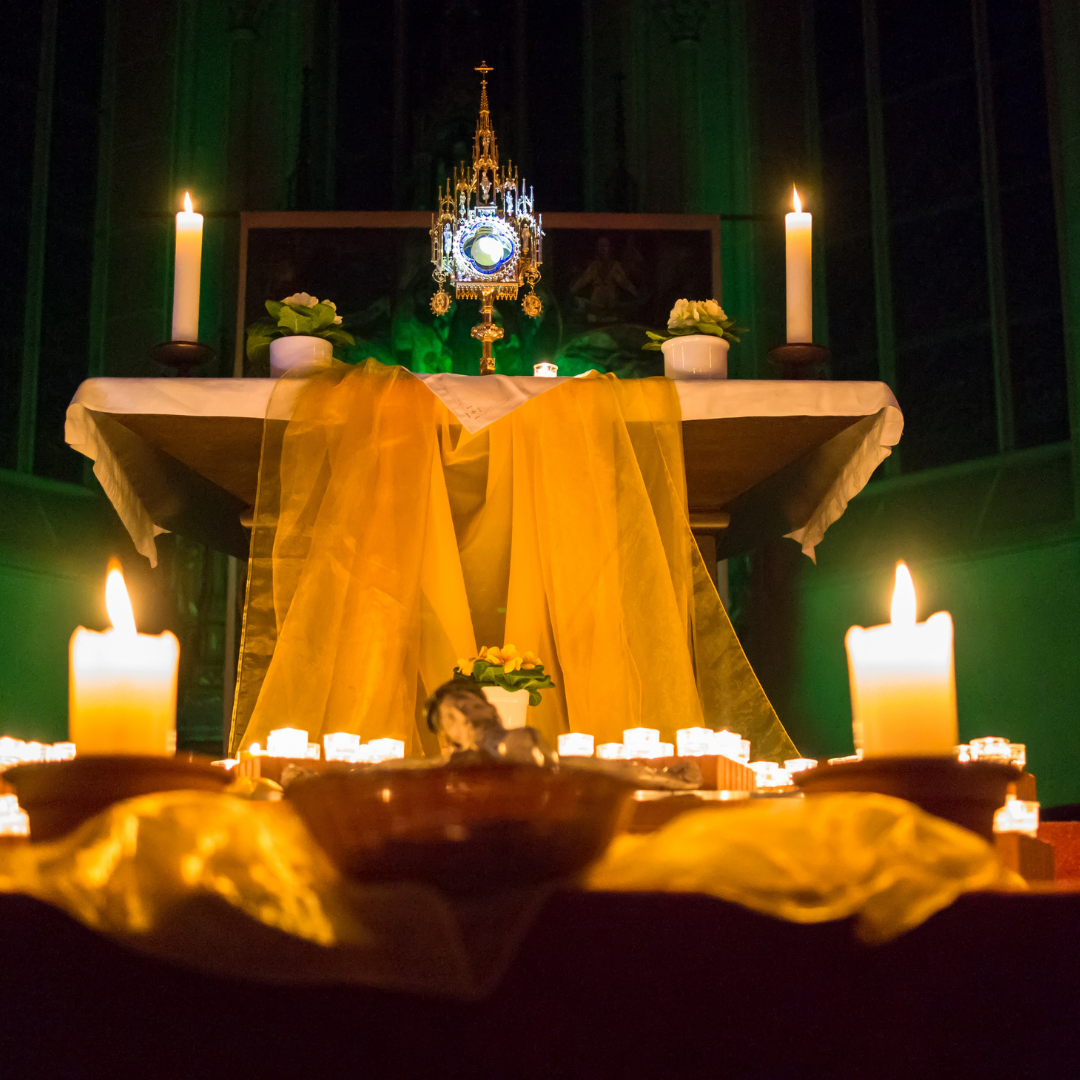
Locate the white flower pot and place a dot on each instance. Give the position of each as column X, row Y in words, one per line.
column 511, row 705
column 297, row 350
column 695, row 356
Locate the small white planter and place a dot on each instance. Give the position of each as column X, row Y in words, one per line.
column 695, row 356
column 298, row 350
column 511, row 705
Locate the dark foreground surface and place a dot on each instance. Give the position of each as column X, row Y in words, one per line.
column 605, row 984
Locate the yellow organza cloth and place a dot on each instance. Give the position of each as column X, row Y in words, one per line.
column 240, row 889
column 389, row 541
column 813, row 860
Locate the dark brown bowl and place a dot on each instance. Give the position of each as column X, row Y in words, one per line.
column 465, row 829
column 966, row 793
column 59, row 796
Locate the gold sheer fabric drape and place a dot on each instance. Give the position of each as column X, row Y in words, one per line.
column 389, row 541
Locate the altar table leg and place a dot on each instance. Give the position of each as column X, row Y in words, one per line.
column 706, row 542
column 705, row 524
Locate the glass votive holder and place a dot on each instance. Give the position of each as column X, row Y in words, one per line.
column 1019, row 754
column 61, row 751
column 857, row 756
column 694, row 741
column 641, row 741
column 576, row 744
column 1017, row 816
column 768, row 776
column 14, row 821
column 386, row 749
column 611, row 751
column 727, row 743
column 287, row 742
column 991, row 748
column 546, row 370
column 340, row 746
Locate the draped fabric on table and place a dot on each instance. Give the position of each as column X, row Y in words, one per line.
column 388, row 542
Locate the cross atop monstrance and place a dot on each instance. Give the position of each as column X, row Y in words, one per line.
column 486, row 238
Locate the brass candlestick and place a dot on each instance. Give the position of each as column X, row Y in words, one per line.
column 182, row 356
column 485, row 239
column 799, row 360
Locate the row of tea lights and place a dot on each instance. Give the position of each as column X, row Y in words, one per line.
column 644, row 744
column 123, row 700
column 337, row 746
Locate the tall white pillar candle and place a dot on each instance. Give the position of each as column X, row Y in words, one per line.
column 186, row 274
column 800, row 289
column 903, row 689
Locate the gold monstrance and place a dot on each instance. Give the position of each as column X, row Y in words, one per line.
column 486, row 237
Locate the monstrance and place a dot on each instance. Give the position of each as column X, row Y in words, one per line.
column 486, row 236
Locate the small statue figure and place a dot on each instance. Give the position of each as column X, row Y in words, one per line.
column 469, row 725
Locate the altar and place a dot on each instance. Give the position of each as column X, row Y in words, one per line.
column 764, row 458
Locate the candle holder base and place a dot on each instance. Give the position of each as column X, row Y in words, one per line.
column 182, row 356
column 966, row 793
column 799, row 360
column 58, row 796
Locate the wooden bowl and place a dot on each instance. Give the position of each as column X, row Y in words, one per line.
column 58, row 796
column 966, row 793
column 465, row 829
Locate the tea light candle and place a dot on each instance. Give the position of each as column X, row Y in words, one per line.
column 1018, row 816
column 122, row 688
column 386, row 749
column 695, row 741
column 287, row 742
column 991, row 748
column 14, row 821
column 641, row 741
column 731, row 744
column 341, row 746
column 903, row 690
column 611, row 751
column 576, row 744
column 800, row 764
column 546, row 370
column 768, row 776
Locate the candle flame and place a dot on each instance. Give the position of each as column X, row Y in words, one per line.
column 118, row 603
column 903, row 597
column 187, row 202
column 795, row 200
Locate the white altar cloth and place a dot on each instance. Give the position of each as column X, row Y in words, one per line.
column 478, row 402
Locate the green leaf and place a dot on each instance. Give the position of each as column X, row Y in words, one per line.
column 295, row 319
column 259, row 336
column 656, row 337
column 338, row 336
column 274, row 307
column 710, row 328
column 653, row 346
column 322, row 316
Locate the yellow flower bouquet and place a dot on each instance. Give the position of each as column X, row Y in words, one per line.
column 508, row 668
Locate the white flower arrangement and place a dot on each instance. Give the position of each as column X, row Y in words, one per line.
column 695, row 317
